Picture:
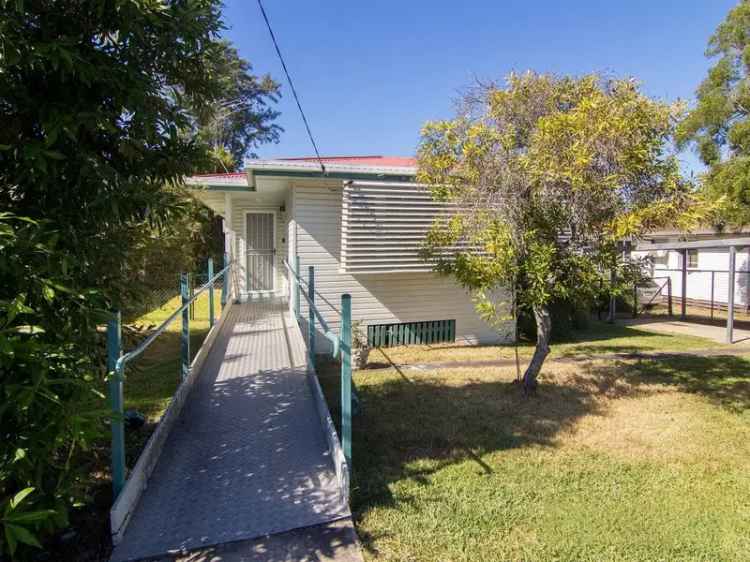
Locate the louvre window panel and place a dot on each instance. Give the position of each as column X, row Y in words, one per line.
column 384, row 224
column 411, row 333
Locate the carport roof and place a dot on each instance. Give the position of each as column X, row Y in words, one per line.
column 693, row 244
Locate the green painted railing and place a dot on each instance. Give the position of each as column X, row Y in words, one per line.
column 116, row 360
column 341, row 346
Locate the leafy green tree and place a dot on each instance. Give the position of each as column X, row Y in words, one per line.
column 243, row 118
column 547, row 174
column 719, row 125
column 99, row 106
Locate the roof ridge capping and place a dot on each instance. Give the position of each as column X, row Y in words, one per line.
column 350, row 157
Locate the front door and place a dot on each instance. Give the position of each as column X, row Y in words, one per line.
column 261, row 251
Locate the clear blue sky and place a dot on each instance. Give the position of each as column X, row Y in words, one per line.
column 369, row 74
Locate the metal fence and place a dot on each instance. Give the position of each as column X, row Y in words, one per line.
column 706, row 293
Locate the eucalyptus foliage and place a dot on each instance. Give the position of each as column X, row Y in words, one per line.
column 719, row 125
column 243, row 118
column 547, row 175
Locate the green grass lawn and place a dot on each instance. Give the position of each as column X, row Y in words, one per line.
column 611, row 460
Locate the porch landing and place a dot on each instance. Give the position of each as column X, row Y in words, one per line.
column 248, row 457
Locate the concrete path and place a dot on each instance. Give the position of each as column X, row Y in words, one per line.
column 329, row 542
column 248, row 457
column 708, row 331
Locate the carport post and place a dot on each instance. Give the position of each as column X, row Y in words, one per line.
column 730, row 293
column 684, row 284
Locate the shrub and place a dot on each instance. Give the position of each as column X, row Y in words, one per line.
column 49, row 357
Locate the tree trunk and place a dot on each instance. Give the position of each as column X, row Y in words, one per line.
column 543, row 331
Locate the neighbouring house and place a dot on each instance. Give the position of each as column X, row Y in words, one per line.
column 704, row 257
column 360, row 224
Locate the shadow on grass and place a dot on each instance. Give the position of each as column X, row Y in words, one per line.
column 723, row 380
column 412, row 427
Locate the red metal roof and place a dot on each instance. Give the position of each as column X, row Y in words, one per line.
column 375, row 160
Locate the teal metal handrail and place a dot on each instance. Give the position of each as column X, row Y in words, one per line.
column 342, row 346
column 116, row 361
column 327, row 332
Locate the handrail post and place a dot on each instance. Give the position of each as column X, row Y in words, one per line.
column 185, row 333
column 211, row 293
column 115, row 383
column 297, row 273
column 225, row 282
column 346, row 377
column 191, row 286
column 311, row 307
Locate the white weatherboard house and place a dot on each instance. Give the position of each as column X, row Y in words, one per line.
column 360, row 224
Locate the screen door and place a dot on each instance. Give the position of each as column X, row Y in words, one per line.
column 260, row 251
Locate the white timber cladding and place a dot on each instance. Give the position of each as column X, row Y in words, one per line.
column 377, row 297
column 383, row 225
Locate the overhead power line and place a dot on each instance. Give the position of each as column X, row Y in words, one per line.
column 291, row 86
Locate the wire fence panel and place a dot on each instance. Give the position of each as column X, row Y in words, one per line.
column 706, row 293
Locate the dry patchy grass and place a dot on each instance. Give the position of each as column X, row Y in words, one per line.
column 611, row 460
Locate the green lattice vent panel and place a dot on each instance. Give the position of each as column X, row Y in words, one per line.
column 409, row 333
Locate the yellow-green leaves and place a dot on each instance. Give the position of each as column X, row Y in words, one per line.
column 548, row 172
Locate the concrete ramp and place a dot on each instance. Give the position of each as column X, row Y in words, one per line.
column 248, row 456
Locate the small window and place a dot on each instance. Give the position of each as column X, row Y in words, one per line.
column 692, row 259
column 661, row 260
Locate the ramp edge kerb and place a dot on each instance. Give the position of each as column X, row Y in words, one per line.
column 334, row 445
column 127, row 501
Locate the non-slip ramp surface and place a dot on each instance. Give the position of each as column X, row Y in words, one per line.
column 248, row 456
